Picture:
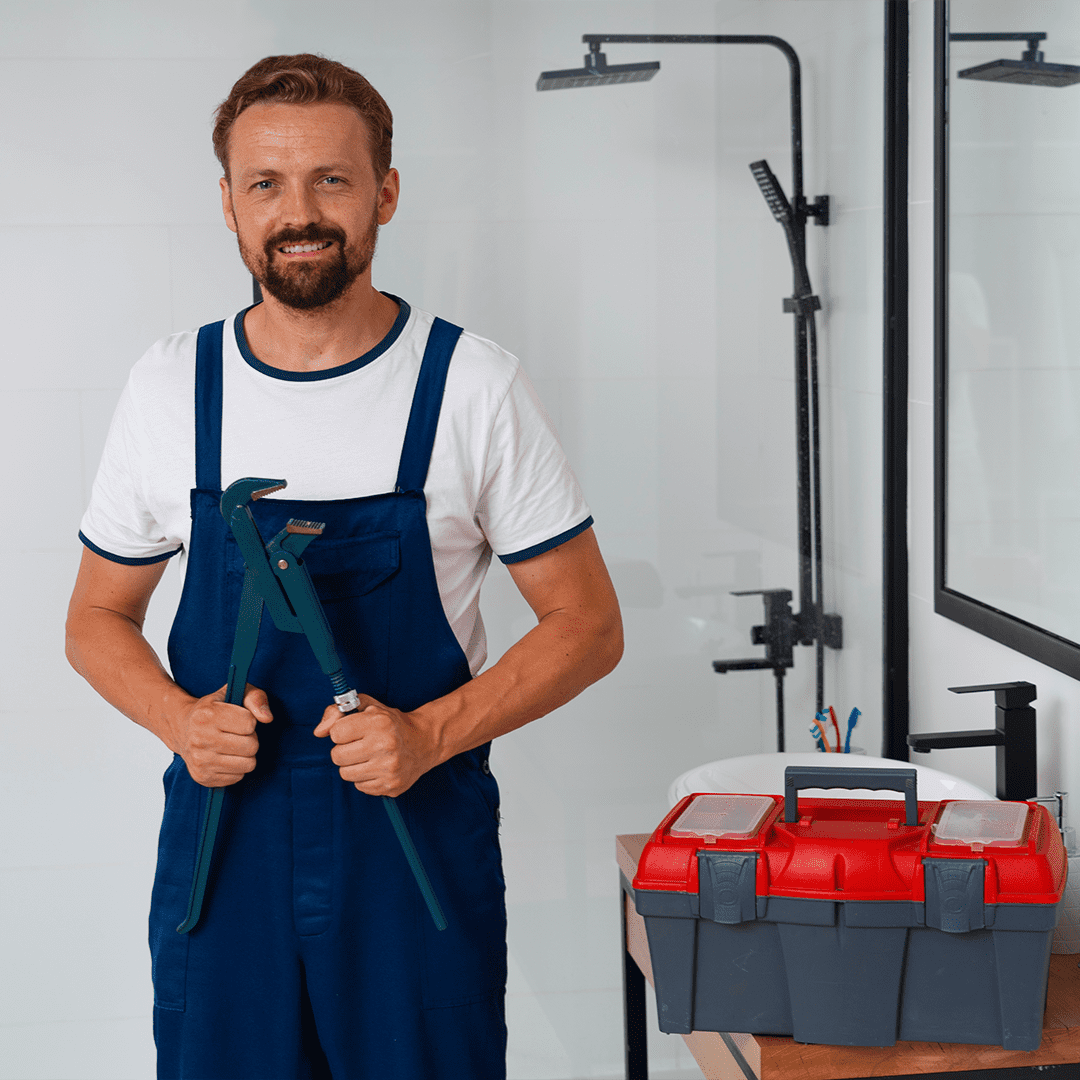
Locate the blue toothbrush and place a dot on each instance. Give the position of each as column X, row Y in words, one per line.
column 852, row 720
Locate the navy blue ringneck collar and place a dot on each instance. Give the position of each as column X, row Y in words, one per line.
column 329, row 373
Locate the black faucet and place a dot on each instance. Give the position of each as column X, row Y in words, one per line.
column 1013, row 734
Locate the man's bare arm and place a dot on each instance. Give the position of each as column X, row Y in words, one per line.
column 106, row 646
column 577, row 640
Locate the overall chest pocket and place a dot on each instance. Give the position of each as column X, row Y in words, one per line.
column 356, row 578
column 352, row 566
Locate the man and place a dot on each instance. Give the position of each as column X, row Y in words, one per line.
column 314, row 955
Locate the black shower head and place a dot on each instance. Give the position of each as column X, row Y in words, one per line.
column 1030, row 72
column 1030, row 69
column 596, row 72
column 773, row 192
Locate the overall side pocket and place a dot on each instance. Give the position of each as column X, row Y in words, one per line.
column 177, row 843
column 452, row 816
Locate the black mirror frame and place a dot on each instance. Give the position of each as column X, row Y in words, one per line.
column 895, row 607
column 1031, row 640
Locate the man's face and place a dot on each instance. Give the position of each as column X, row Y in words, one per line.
column 304, row 200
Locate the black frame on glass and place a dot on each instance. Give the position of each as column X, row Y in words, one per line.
column 1050, row 649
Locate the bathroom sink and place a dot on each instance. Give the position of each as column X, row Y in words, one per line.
column 763, row 774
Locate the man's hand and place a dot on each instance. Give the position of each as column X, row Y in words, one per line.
column 382, row 751
column 216, row 740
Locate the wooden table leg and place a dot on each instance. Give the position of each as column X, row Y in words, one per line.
column 635, row 1037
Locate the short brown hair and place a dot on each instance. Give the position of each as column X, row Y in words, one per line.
column 305, row 79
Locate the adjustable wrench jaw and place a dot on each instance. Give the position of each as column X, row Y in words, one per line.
column 294, row 538
column 247, row 490
column 234, row 508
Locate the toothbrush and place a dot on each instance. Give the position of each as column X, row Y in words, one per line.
column 836, row 727
column 822, row 733
column 817, row 737
column 852, row 720
column 822, row 720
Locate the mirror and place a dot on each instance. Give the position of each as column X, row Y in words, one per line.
column 1008, row 346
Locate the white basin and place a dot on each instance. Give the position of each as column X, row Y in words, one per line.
column 763, row 774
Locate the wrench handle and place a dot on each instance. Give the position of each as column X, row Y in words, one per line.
column 207, row 836
column 244, row 645
column 234, row 688
column 393, row 812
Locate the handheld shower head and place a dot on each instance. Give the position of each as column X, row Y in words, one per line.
column 803, row 302
column 773, row 192
column 596, row 72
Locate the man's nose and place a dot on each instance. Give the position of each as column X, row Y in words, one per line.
column 299, row 206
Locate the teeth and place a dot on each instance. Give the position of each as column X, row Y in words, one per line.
column 293, row 248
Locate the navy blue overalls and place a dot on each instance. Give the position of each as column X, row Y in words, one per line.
column 315, row 955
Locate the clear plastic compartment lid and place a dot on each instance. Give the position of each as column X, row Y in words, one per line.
column 723, row 815
column 974, row 822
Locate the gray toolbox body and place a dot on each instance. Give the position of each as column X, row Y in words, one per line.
column 934, row 926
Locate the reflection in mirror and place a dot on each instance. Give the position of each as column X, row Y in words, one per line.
column 1012, row 487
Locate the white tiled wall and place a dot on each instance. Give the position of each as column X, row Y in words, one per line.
column 612, row 238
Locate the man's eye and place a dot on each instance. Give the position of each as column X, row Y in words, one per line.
column 263, row 185
column 332, row 180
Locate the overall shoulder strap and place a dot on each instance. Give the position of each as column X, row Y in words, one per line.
column 426, row 404
column 208, row 407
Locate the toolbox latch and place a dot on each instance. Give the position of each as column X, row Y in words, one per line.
column 954, row 894
column 726, row 883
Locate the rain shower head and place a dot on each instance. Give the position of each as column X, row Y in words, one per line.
column 773, row 192
column 596, row 72
column 1029, row 70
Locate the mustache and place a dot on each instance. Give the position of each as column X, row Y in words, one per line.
column 309, row 234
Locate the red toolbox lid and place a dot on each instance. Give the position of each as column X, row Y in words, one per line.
column 858, row 849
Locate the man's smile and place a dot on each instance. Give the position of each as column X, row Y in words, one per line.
column 305, row 249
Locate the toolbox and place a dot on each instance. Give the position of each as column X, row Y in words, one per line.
column 853, row 922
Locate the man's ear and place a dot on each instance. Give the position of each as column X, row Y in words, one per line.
column 389, row 193
column 226, row 204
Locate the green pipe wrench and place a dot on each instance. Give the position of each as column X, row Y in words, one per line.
column 276, row 576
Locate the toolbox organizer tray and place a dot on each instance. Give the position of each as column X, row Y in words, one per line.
column 841, row 921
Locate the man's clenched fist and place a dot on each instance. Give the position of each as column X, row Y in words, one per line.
column 216, row 740
column 382, row 751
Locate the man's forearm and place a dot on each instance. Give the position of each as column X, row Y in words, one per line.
column 110, row 652
column 553, row 663
column 105, row 644
column 577, row 640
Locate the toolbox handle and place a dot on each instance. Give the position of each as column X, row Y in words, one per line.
column 797, row 777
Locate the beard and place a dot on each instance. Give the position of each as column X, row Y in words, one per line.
column 303, row 285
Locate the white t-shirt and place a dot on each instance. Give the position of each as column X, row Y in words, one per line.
column 498, row 479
